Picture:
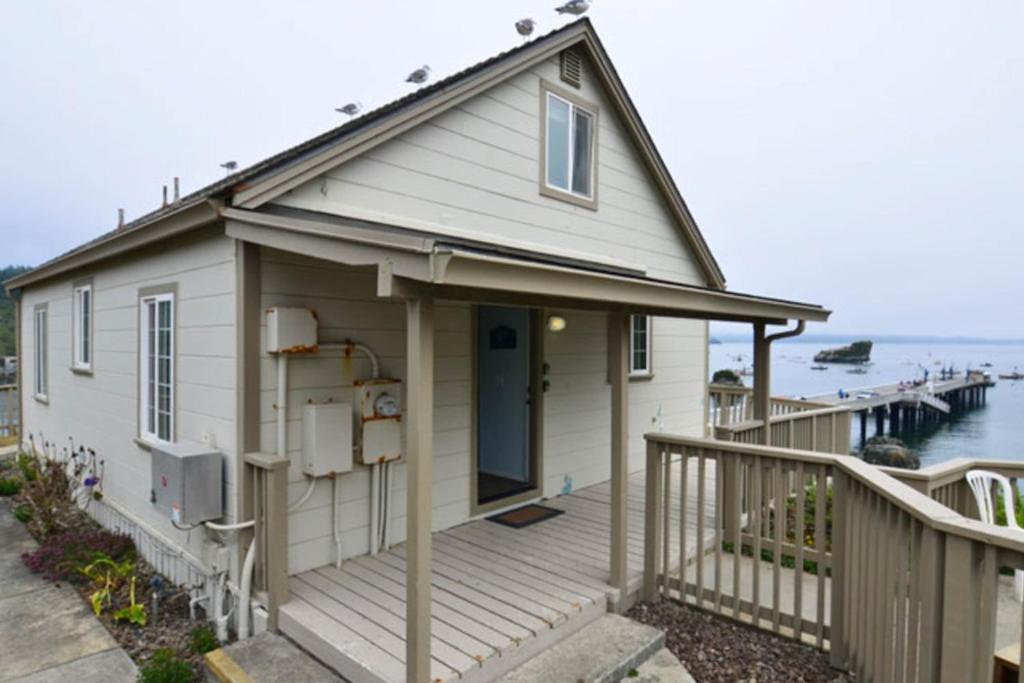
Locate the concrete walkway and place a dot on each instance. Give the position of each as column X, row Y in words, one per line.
column 48, row 634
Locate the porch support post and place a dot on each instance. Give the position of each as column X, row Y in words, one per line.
column 762, row 382
column 618, row 369
column 419, row 412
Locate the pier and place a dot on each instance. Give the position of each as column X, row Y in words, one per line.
column 907, row 406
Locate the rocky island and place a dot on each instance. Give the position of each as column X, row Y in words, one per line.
column 857, row 352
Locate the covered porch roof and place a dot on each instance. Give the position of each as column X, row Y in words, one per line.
column 413, row 261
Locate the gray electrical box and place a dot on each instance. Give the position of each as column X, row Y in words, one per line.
column 187, row 482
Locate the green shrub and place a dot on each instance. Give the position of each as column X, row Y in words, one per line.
column 165, row 666
column 9, row 487
column 23, row 513
column 204, row 640
column 28, row 466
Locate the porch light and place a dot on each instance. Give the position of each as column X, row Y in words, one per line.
column 556, row 323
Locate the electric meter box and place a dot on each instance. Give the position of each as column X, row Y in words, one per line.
column 326, row 438
column 379, row 420
column 187, row 482
column 290, row 329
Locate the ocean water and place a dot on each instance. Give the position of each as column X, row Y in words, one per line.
column 994, row 430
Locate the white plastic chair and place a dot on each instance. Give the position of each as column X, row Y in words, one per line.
column 981, row 482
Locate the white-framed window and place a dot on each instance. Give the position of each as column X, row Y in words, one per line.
column 640, row 345
column 81, row 327
column 156, row 367
column 569, row 157
column 42, row 334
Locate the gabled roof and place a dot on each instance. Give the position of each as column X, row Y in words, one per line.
column 266, row 179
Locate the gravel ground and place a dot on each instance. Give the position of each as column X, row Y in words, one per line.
column 718, row 650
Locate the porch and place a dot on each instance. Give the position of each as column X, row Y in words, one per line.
column 499, row 595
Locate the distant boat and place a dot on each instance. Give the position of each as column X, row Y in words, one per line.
column 746, row 372
column 856, row 371
column 819, row 367
column 986, row 365
column 1012, row 375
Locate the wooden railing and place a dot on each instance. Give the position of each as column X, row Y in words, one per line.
column 893, row 584
column 946, row 482
column 9, row 412
column 731, row 404
column 821, row 430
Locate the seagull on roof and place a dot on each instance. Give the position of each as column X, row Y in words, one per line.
column 350, row 109
column 576, row 7
column 229, row 166
column 420, row 75
column 525, row 27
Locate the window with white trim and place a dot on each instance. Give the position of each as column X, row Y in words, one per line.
column 81, row 327
column 41, row 340
column 640, row 345
column 570, row 147
column 156, row 367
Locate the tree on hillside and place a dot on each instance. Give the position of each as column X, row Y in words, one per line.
column 7, row 341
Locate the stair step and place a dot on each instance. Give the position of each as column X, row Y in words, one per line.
column 266, row 658
column 604, row 651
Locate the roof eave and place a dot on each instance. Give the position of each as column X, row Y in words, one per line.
column 188, row 216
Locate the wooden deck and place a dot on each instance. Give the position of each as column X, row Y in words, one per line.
column 500, row 595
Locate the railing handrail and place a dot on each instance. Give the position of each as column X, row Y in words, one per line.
column 915, row 503
column 775, row 419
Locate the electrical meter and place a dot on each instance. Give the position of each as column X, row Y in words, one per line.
column 378, row 420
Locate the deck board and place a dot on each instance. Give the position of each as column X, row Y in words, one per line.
column 499, row 595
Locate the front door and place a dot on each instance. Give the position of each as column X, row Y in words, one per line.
column 503, row 402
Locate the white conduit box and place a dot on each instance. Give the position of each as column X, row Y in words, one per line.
column 326, row 438
column 290, row 330
column 186, row 482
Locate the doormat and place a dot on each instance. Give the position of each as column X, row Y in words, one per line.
column 525, row 516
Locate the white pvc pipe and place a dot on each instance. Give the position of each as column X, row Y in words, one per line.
column 213, row 526
column 337, row 522
column 374, row 507
column 245, row 591
column 389, row 477
column 305, row 496
column 374, row 361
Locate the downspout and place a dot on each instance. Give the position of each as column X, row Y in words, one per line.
column 762, row 373
column 19, row 353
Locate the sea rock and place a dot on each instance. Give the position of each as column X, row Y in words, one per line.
column 726, row 377
column 889, row 452
column 857, row 352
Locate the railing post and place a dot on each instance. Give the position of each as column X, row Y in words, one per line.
column 840, row 523
column 652, row 523
column 968, row 625
column 270, row 532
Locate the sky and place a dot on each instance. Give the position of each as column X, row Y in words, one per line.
column 867, row 156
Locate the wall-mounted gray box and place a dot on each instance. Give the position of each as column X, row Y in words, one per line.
column 187, row 482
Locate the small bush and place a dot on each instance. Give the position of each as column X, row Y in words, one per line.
column 9, row 487
column 165, row 666
column 62, row 557
column 48, row 491
column 23, row 513
column 28, row 466
column 204, row 640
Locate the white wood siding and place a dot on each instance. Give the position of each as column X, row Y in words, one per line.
column 576, row 415
column 100, row 411
column 477, row 166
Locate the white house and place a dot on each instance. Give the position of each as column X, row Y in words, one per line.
column 506, row 246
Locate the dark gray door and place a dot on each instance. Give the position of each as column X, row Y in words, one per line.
column 503, row 392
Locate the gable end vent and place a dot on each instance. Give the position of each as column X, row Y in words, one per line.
column 572, row 67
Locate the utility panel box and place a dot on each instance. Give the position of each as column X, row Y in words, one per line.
column 187, row 482
column 326, row 438
column 379, row 420
column 290, row 330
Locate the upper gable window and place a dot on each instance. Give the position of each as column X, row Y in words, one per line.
column 569, row 130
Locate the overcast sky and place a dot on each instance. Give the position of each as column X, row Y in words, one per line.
column 867, row 155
